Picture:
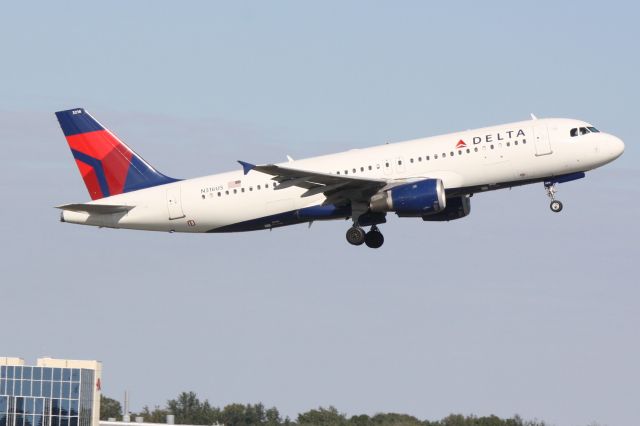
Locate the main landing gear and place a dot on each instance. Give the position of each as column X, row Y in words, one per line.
column 555, row 205
column 373, row 239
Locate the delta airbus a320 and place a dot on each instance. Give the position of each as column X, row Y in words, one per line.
column 431, row 178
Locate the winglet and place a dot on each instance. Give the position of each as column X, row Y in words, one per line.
column 246, row 167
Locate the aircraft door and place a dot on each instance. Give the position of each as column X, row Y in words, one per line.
column 174, row 202
column 541, row 140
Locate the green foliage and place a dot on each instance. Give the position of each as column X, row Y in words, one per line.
column 322, row 416
column 110, row 408
column 188, row 409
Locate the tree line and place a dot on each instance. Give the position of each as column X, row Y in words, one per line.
column 189, row 409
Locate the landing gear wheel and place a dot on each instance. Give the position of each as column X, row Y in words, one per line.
column 555, row 206
column 374, row 238
column 355, row 235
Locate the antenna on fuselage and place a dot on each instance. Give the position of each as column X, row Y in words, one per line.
column 533, row 117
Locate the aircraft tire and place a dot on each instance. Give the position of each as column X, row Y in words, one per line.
column 556, row 206
column 355, row 236
column 374, row 239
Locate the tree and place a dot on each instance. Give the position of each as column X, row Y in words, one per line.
column 158, row 415
column 109, row 408
column 322, row 417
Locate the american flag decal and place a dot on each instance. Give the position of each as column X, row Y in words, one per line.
column 234, row 184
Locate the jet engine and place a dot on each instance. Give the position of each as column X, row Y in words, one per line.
column 457, row 208
column 413, row 199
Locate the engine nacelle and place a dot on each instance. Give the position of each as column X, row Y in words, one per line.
column 457, row 208
column 411, row 199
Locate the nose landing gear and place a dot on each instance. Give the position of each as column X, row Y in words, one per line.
column 373, row 239
column 555, row 205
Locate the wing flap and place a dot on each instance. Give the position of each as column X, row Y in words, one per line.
column 337, row 186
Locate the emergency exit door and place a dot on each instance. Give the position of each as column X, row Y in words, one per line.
column 174, row 202
column 541, row 140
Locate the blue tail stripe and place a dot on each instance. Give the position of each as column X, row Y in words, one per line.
column 141, row 175
column 97, row 166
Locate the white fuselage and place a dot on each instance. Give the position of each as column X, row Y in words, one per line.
column 509, row 154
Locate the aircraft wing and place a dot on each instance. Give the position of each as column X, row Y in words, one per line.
column 336, row 188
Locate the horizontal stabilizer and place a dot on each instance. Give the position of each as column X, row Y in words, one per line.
column 95, row 208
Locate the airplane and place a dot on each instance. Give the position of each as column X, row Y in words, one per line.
column 430, row 178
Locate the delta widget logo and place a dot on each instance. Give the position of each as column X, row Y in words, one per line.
column 461, row 144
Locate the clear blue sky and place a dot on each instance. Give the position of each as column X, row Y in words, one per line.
column 511, row 310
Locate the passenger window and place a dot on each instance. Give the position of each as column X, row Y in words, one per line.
column 362, row 169
column 475, row 149
column 354, row 170
column 258, row 187
column 426, row 158
column 460, row 152
column 346, row 172
column 419, row 159
column 411, row 160
column 241, row 189
column 468, row 150
column 219, row 194
column 226, row 192
column 574, row 132
column 444, row 155
column 435, row 156
column 370, row 167
column 235, row 191
column 386, row 164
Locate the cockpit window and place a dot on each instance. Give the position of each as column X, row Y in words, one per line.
column 579, row 131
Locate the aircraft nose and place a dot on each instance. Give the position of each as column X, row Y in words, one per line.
column 616, row 147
